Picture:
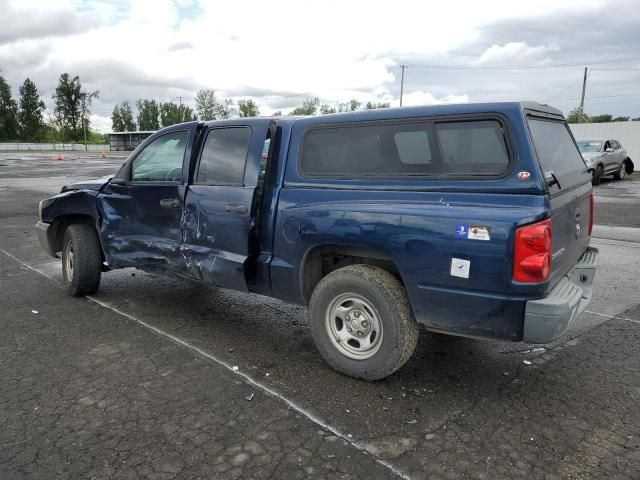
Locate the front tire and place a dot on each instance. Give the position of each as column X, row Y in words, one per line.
column 361, row 322
column 81, row 260
column 621, row 173
column 596, row 176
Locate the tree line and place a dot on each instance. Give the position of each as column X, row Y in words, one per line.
column 152, row 115
column 576, row 116
column 23, row 119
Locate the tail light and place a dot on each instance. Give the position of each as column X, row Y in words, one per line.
column 592, row 212
column 532, row 253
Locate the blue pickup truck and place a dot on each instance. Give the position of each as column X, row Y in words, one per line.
column 472, row 220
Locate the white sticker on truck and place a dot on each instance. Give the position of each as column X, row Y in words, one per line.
column 460, row 268
column 478, row 232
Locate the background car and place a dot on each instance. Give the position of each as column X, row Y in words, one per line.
column 605, row 157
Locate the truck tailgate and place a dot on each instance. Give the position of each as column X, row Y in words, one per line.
column 569, row 185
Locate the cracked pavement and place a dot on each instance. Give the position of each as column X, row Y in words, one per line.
column 88, row 392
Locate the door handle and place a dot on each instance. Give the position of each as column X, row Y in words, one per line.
column 170, row 203
column 240, row 208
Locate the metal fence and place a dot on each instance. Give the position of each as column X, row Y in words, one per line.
column 62, row 147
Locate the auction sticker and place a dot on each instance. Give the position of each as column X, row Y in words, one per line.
column 478, row 232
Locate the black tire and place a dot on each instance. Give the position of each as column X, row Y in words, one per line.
column 621, row 172
column 81, row 260
column 389, row 310
column 596, row 176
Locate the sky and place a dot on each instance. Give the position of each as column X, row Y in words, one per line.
column 282, row 52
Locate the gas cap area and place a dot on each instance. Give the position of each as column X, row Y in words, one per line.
column 291, row 228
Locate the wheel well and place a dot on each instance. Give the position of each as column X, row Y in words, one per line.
column 60, row 225
column 629, row 165
column 320, row 261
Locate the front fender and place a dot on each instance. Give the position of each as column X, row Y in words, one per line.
column 56, row 213
column 72, row 202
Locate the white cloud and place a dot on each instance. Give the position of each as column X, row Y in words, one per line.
column 279, row 54
column 427, row 98
column 514, row 53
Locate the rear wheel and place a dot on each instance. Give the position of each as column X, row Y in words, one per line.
column 81, row 260
column 361, row 322
column 596, row 175
column 621, row 173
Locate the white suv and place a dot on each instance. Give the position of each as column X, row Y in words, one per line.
column 605, row 157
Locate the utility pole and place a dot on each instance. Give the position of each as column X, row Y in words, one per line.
column 584, row 88
column 180, row 99
column 403, row 66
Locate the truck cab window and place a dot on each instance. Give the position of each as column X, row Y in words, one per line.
column 223, row 156
column 161, row 160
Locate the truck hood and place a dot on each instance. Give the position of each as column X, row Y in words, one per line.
column 93, row 184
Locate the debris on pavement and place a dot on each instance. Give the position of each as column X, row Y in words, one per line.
column 249, row 397
column 35, row 311
column 234, row 368
column 526, row 362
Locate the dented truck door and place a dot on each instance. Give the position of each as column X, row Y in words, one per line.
column 141, row 207
column 219, row 213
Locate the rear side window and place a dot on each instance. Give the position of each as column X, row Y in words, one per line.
column 406, row 149
column 555, row 148
column 477, row 147
column 224, row 156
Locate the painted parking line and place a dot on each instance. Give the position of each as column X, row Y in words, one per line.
column 358, row 445
column 611, row 317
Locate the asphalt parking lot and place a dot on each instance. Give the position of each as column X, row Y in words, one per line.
column 158, row 378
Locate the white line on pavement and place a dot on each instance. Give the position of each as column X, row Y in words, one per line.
column 248, row 378
column 612, row 316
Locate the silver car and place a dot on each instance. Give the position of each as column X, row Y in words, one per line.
column 605, row 157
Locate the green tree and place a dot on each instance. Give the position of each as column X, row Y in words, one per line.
column 67, row 108
column 277, row 113
column 576, row 116
column 148, row 115
column 308, row 107
column 86, row 99
column 606, row 118
column 8, row 113
column 172, row 113
column 206, row 103
column 620, row 119
column 325, row 109
column 127, row 117
column 210, row 108
column 116, row 120
column 375, row 105
column 248, row 108
column 30, row 114
column 636, row 119
column 353, row 105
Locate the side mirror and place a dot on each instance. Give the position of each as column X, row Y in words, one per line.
column 121, row 182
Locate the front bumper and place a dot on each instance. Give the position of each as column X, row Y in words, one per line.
column 549, row 318
column 45, row 237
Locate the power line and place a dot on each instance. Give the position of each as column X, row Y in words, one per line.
column 519, row 67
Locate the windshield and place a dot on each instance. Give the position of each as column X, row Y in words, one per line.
column 589, row 146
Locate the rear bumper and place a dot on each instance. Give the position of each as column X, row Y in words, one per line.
column 45, row 237
column 549, row 318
